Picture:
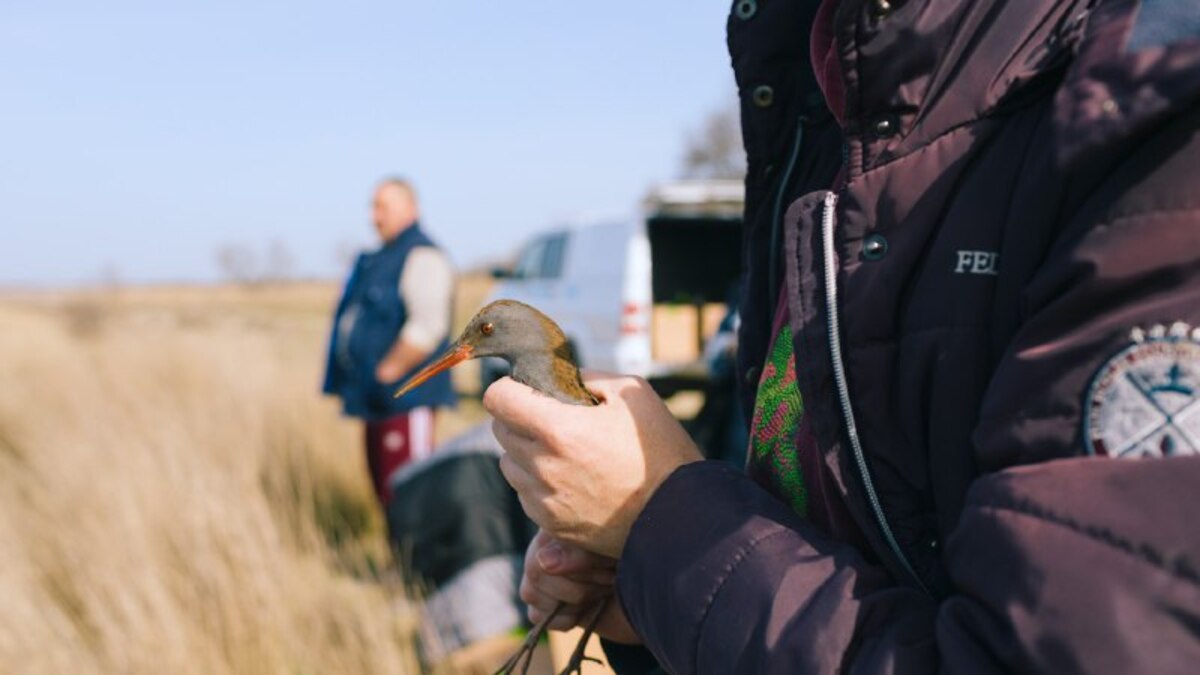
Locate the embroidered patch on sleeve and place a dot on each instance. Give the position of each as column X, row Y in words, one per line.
column 1145, row 400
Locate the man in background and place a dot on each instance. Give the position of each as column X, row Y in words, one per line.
column 393, row 317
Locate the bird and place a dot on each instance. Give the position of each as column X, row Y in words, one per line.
column 534, row 346
column 540, row 357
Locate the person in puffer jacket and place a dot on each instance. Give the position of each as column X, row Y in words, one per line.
column 969, row 351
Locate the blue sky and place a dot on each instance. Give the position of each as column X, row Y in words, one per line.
column 138, row 138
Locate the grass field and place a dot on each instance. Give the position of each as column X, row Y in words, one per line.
column 176, row 497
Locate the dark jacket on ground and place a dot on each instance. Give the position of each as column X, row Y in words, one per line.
column 1021, row 196
column 367, row 323
column 458, row 530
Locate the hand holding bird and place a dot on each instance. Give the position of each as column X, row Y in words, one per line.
column 584, row 458
column 583, row 471
column 585, row 474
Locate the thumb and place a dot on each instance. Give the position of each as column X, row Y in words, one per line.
column 562, row 559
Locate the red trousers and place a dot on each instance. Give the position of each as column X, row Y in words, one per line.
column 394, row 442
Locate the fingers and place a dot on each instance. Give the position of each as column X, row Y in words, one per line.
column 527, row 412
column 517, row 467
column 543, row 594
column 564, row 620
column 559, row 573
column 516, row 475
column 551, row 557
column 513, row 439
column 562, row 589
column 566, row 560
column 585, row 472
column 524, row 410
column 608, row 384
column 541, row 604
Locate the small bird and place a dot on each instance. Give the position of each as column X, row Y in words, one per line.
column 541, row 358
column 535, row 347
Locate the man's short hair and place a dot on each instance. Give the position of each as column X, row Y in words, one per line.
column 401, row 183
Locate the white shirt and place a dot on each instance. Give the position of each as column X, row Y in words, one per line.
column 427, row 289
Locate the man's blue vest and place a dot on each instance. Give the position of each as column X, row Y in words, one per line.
column 368, row 321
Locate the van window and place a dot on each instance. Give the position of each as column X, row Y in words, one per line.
column 529, row 265
column 555, row 250
column 542, row 258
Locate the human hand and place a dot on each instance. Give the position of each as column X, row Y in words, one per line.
column 388, row 371
column 559, row 573
column 584, row 473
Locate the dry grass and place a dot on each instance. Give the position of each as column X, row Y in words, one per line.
column 176, row 497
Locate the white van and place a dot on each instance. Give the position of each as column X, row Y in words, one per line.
column 639, row 297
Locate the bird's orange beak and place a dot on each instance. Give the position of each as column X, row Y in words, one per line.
column 456, row 355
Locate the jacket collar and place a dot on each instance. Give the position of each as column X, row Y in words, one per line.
column 401, row 240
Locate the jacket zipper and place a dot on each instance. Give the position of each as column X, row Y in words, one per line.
column 843, row 389
column 777, row 217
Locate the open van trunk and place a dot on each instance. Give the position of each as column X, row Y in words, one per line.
column 695, row 261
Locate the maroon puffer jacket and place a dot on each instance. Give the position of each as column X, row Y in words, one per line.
column 1000, row 302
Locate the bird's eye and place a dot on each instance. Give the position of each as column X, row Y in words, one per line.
column 487, row 329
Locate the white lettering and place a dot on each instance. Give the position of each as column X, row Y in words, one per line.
column 977, row 262
column 964, row 259
column 982, row 258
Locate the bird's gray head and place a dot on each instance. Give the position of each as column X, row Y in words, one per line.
column 530, row 341
column 515, row 332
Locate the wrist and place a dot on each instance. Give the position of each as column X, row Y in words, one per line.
column 651, row 488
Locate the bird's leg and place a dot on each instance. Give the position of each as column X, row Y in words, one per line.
column 525, row 653
column 578, row 657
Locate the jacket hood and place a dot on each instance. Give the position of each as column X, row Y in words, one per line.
column 955, row 63
column 1136, row 65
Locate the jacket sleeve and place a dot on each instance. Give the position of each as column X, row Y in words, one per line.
column 720, row 578
column 1059, row 562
